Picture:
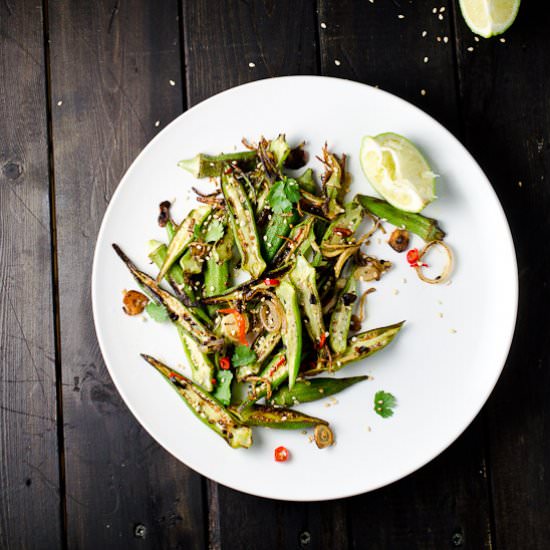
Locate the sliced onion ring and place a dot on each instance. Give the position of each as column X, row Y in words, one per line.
column 448, row 266
column 271, row 309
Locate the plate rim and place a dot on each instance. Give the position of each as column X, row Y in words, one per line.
column 508, row 238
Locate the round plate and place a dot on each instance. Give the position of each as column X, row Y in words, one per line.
column 441, row 367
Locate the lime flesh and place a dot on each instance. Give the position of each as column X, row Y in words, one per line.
column 398, row 171
column 489, row 17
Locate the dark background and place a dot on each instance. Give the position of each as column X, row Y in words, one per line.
column 82, row 86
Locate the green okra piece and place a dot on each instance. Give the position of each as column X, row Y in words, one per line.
column 277, row 229
column 178, row 312
column 243, row 223
column 333, row 186
column 249, row 288
column 340, row 319
column 299, row 240
column 426, row 228
column 271, row 377
column 205, row 166
column 303, row 277
column 361, row 346
column 350, row 220
column 205, row 407
column 306, row 181
column 280, row 149
column 217, row 271
column 185, row 234
column 262, row 347
column 176, row 279
column 202, row 368
column 305, row 391
column 275, row 417
column 291, row 330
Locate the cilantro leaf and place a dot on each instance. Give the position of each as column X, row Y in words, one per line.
column 223, row 386
column 157, row 312
column 214, row 232
column 384, row 403
column 243, row 355
column 292, row 190
column 283, row 194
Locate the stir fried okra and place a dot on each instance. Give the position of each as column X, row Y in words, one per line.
column 299, row 313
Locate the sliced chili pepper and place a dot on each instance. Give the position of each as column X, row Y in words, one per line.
column 214, row 381
column 322, row 340
column 281, row 454
column 412, row 256
column 271, row 282
column 343, row 231
column 241, row 323
column 225, row 363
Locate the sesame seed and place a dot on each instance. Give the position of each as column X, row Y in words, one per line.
column 252, row 64
column 502, row 40
column 172, row 82
column 438, row 38
column 212, row 289
column 395, row 292
column 434, row 10
column 400, row 16
column 520, row 183
column 442, row 9
column 476, row 38
column 59, row 103
column 470, row 49
column 337, row 62
column 440, row 315
column 445, row 39
column 157, row 123
column 452, row 331
column 371, row 1
column 426, row 59
column 323, row 25
column 440, row 17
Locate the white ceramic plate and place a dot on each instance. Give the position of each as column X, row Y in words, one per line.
column 443, row 365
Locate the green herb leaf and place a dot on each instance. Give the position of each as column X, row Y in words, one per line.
column 283, row 195
column 243, row 355
column 157, row 312
column 384, row 403
column 214, row 232
column 223, row 386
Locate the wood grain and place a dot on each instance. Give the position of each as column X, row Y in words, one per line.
column 111, row 67
column 505, row 100
column 29, row 466
column 278, row 38
column 446, row 503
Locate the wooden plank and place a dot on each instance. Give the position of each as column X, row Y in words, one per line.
column 277, row 38
column 505, row 105
column 446, row 503
column 111, row 67
column 29, row 465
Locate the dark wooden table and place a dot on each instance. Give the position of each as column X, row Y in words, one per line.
column 84, row 85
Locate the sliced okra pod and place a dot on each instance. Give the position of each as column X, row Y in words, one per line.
column 177, row 280
column 303, row 277
column 178, row 312
column 205, row 407
column 205, row 166
column 277, row 230
column 185, row 235
column 243, row 223
column 361, row 346
column 333, row 185
column 270, row 378
column 340, row 319
column 262, row 347
column 305, row 391
column 299, row 240
column 217, row 270
column 202, row 368
column 306, row 181
column 426, row 228
column 275, row 417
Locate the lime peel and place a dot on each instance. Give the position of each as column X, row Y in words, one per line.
column 489, row 17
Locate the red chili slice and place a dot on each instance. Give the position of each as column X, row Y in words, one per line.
column 225, row 363
column 281, row 454
column 271, row 282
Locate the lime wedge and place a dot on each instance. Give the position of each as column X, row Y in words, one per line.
column 489, row 17
column 398, row 171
